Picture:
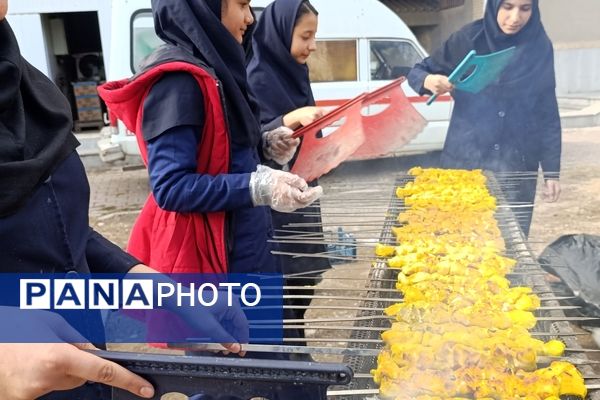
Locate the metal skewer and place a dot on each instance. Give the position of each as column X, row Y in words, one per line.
column 385, row 317
column 381, row 329
column 378, row 309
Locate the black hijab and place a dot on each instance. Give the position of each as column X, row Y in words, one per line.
column 195, row 25
column 276, row 78
column 531, row 68
column 35, row 125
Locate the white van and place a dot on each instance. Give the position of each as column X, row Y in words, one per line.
column 362, row 45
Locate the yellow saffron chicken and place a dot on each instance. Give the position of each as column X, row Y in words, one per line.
column 462, row 330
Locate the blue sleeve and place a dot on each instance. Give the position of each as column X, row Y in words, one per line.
column 416, row 76
column 448, row 51
column 103, row 256
column 549, row 126
column 274, row 124
column 176, row 185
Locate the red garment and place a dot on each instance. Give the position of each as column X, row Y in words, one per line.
column 167, row 241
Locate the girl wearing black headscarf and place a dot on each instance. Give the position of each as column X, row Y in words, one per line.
column 278, row 76
column 44, row 198
column 512, row 125
column 44, row 229
column 199, row 136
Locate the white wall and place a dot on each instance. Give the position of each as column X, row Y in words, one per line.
column 577, row 70
column 21, row 13
column 29, row 32
column 574, row 29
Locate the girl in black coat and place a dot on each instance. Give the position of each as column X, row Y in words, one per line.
column 512, row 125
column 278, row 76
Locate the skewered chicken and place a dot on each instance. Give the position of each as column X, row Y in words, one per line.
column 462, row 330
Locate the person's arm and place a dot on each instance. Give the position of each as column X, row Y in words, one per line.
column 428, row 78
column 550, row 131
column 273, row 124
column 103, row 256
column 177, row 186
column 220, row 322
column 172, row 123
column 31, row 370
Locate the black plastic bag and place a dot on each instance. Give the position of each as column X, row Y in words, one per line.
column 576, row 260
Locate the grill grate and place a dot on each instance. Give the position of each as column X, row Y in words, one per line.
column 515, row 242
column 261, row 376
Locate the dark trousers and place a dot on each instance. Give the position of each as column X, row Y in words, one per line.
column 524, row 194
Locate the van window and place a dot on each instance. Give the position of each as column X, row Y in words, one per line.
column 143, row 38
column 391, row 59
column 334, row 61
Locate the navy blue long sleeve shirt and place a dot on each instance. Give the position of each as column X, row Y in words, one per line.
column 172, row 125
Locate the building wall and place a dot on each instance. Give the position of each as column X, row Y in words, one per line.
column 26, row 20
column 453, row 19
column 447, row 21
column 575, row 33
column 578, row 23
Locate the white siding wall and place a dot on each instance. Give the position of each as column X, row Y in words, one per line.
column 29, row 33
column 577, row 70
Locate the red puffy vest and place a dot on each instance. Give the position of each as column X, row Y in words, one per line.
column 167, row 241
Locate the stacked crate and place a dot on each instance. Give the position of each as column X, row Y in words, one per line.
column 89, row 110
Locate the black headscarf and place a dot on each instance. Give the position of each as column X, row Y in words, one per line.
column 35, row 125
column 533, row 63
column 276, row 78
column 196, row 26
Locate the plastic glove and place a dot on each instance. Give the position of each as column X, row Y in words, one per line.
column 282, row 191
column 279, row 146
column 220, row 323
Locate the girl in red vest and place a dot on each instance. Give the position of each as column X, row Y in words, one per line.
column 197, row 129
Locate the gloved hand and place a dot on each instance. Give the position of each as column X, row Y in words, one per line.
column 222, row 322
column 279, row 146
column 282, row 191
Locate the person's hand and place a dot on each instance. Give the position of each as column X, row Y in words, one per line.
column 438, row 84
column 551, row 190
column 303, row 116
column 31, row 370
column 282, row 191
column 219, row 323
column 279, row 145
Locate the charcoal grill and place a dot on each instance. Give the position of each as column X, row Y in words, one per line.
column 350, row 379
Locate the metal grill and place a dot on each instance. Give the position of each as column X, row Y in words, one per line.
column 517, row 247
column 251, row 378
